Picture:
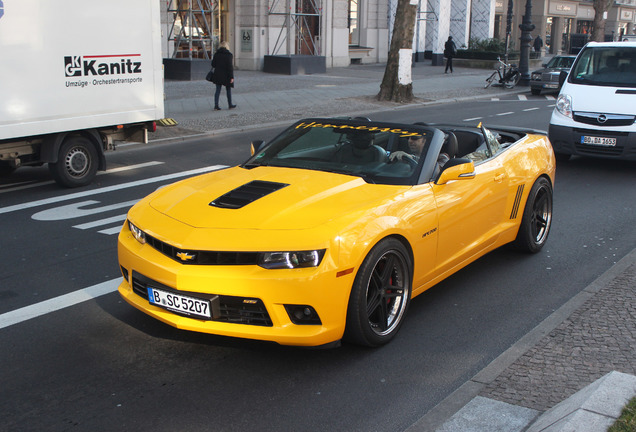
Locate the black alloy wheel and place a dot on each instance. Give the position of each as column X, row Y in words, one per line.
column 380, row 295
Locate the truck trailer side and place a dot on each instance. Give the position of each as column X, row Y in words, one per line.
column 76, row 78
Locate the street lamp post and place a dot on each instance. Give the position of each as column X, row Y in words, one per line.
column 526, row 27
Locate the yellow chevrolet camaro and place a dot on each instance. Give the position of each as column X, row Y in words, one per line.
column 329, row 230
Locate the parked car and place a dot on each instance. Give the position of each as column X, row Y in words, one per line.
column 330, row 229
column 548, row 78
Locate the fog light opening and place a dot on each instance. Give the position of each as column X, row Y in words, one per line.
column 303, row 315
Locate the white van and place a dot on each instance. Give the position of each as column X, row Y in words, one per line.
column 595, row 112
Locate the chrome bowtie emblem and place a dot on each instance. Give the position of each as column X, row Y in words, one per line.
column 601, row 119
column 184, row 256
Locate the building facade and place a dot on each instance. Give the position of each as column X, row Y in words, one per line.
column 358, row 31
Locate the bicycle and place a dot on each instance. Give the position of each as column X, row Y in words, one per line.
column 508, row 75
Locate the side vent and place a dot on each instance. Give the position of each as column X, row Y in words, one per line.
column 515, row 206
column 248, row 193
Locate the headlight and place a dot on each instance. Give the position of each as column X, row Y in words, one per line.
column 535, row 76
column 137, row 233
column 564, row 105
column 291, row 260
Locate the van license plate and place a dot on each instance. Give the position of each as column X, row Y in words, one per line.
column 179, row 303
column 601, row 141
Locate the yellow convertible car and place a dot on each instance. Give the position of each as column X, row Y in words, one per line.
column 329, row 230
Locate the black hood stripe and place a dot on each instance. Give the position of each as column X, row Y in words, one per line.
column 248, row 193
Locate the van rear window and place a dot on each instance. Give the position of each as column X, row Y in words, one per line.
column 605, row 66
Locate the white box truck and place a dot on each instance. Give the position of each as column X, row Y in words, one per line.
column 76, row 78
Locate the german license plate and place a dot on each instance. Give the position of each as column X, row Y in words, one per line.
column 601, row 141
column 179, row 303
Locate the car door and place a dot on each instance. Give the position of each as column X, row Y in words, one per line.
column 470, row 213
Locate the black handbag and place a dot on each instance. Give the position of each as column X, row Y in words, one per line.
column 208, row 77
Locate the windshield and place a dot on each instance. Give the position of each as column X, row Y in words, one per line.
column 605, row 66
column 378, row 152
column 561, row 62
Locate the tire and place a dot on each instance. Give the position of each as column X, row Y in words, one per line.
column 537, row 218
column 76, row 163
column 490, row 79
column 513, row 80
column 380, row 295
column 535, row 91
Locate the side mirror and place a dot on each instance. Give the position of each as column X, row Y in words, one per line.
column 562, row 77
column 255, row 146
column 457, row 169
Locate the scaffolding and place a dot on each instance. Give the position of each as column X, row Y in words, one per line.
column 195, row 28
column 300, row 32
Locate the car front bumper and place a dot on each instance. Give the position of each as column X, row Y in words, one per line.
column 259, row 299
column 567, row 140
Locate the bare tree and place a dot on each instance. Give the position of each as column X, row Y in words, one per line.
column 600, row 7
column 403, row 29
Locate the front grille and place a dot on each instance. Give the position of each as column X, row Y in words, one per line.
column 200, row 257
column 605, row 119
column 593, row 150
column 550, row 77
column 233, row 309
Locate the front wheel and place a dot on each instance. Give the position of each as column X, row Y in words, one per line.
column 76, row 162
column 380, row 295
column 490, row 79
column 537, row 218
column 513, row 80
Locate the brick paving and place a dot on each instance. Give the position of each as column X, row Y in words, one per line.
column 596, row 339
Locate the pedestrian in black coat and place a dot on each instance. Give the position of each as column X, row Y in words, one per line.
column 223, row 74
column 450, row 51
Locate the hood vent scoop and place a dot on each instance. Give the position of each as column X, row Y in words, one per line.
column 249, row 192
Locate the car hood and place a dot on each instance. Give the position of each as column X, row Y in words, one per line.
column 267, row 198
column 602, row 99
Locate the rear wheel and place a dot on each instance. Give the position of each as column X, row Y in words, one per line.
column 513, row 80
column 537, row 218
column 76, row 162
column 380, row 295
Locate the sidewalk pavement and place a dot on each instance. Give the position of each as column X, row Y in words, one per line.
column 591, row 335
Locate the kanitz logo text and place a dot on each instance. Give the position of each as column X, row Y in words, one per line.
column 101, row 65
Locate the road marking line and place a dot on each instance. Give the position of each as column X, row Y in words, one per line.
column 111, row 231
column 473, row 119
column 523, row 97
column 494, row 99
column 531, row 109
column 107, row 189
column 550, row 97
column 505, row 113
column 57, row 303
column 101, row 222
column 72, row 211
column 31, row 184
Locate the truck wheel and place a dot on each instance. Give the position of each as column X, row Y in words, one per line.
column 76, row 162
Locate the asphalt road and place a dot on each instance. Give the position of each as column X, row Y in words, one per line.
column 101, row 365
